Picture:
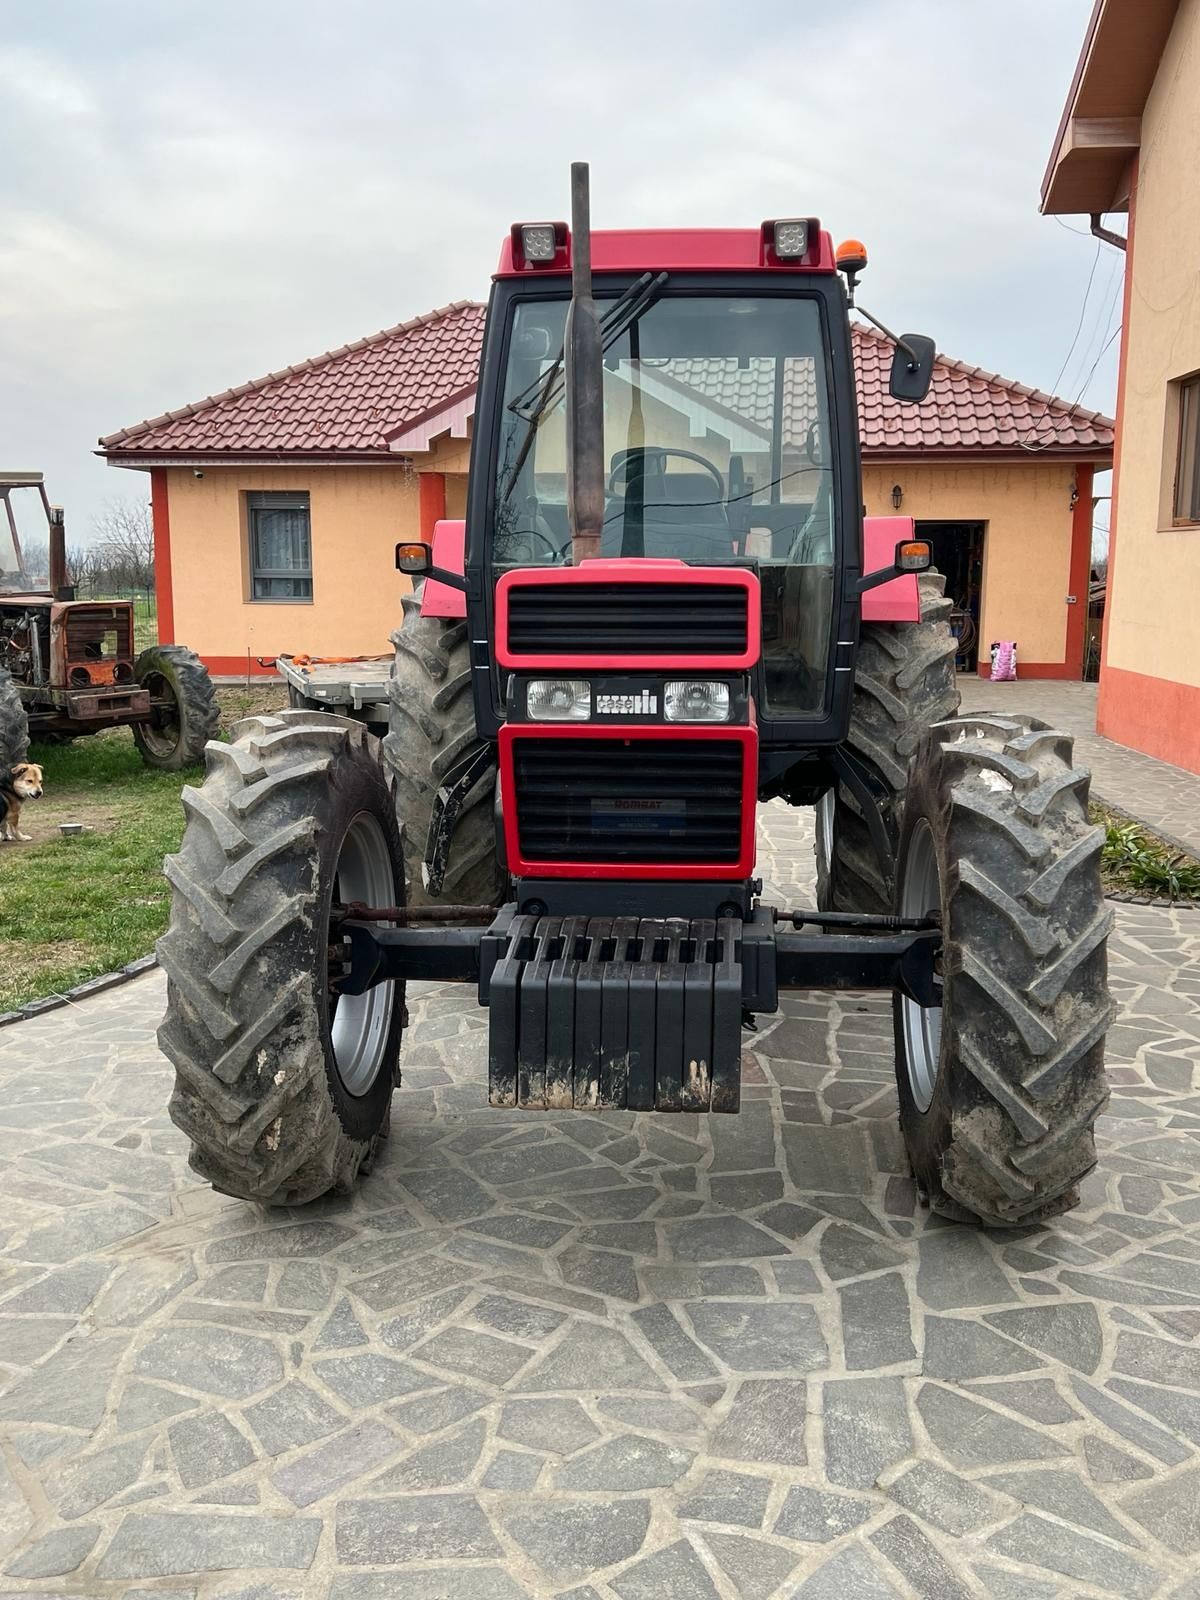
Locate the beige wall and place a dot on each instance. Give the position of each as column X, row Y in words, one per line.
column 359, row 513
column 1027, row 541
column 357, row 516
column 1155, row 578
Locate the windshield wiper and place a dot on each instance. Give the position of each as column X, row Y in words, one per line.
column 617, row 320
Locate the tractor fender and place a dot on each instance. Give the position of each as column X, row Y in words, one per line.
column 449, row 552
column 898, row 600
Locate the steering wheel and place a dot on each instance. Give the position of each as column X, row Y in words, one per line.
column 516, row 534
column 654, row 459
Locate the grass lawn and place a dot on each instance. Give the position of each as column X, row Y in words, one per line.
column 71, row 909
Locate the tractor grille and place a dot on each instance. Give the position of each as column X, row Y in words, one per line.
column 99, row 632
column 650, row 619
column 649, row 801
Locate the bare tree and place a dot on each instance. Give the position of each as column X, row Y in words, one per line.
column 121, row 556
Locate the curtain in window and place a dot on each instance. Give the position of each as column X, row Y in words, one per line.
column 280, row 546
column 281, row 541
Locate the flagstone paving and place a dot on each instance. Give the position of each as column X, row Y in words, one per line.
column 605, row 1356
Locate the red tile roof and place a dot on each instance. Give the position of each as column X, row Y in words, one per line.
column 343, row 403
column 350, row 403
column 968, row 412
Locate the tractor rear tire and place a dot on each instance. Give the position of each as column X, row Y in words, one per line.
column 1000, row 1089
column 903, row 683
column 176, row 738
column 432, row 726
column 283, row 1089
column 14, row 723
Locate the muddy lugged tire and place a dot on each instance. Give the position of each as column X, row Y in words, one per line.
column 431, row 726
column 175, row 672
column 1013, row 1087
column 14, row 723
column 903, row 683
column 283, row 1094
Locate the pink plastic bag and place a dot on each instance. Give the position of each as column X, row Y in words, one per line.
column 1004, row 660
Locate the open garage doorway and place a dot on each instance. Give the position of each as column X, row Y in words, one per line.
column 958, row 554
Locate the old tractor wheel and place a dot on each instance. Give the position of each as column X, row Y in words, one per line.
column 432, row 727
column 14, row 723
column 903, row 684
column 184, row 710
column 282, row 1086
column 1000, row 1088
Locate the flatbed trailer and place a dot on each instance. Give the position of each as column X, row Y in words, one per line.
column 357, row 689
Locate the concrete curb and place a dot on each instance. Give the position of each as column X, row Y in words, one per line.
column 1155, row 828
column 82, row 991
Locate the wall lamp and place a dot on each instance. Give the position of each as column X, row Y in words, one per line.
column 897, row 496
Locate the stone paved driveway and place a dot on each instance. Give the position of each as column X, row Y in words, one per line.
column 644, row 1358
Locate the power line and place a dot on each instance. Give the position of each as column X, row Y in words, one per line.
column 1079, row 324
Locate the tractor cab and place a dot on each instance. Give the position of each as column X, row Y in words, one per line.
column 728, row 440
column 716, row 451
column 24, row 567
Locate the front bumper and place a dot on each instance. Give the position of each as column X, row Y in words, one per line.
column 638, row 1014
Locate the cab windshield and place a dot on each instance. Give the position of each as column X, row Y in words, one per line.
column 716, row 451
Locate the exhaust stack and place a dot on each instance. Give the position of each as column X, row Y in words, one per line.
column 583, row 362
column 59, row 588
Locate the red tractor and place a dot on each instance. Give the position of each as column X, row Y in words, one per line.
column 664, row 608
column 68, row 667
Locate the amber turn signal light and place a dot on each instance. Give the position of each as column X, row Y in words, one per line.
column 413, row 558
column 914, row 555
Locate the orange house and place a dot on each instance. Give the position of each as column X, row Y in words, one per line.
column 277, row 504
column 1129, row 141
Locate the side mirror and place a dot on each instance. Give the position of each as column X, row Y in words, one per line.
column 912, row 368
column 416, row 559
column 912, row 555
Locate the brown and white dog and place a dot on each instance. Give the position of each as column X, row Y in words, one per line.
column 20, row 783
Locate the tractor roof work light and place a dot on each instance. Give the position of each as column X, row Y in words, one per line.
column 541, row 244
column 791, row 241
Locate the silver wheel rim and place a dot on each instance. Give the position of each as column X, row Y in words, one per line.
column 921, row 894
column 826, row 807
column 360, row 1023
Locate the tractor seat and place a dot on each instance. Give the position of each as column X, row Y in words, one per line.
column 682, row 518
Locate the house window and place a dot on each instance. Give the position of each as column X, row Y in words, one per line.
column 1187, row 466
column 280, row 546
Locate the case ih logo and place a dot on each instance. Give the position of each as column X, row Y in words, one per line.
column 643, row 704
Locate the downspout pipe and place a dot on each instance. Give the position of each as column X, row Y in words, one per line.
column 1106, row 234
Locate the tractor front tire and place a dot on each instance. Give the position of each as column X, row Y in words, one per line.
column 283, row 1088
column 903, row 683
column 431, row 727
column 14, row 723
column 1000, row 1089
column 186, row 714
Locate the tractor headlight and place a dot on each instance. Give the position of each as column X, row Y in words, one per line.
column 696, row 700
column 558, row 700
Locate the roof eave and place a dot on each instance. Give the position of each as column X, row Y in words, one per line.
column 148, row 456
column 909, row 455
column 1099, row 131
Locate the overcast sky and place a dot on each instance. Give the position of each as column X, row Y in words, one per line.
column 192, row 195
